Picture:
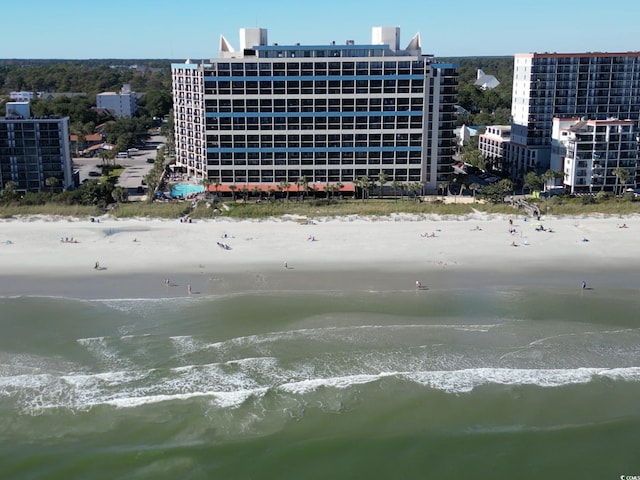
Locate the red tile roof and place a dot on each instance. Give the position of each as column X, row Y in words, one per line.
column 94, row 137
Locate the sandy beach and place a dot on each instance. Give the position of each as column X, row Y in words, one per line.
column 135, row 257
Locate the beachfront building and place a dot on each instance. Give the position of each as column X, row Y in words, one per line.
column 268, row 114
column 492, row 144
column 118, row 104
column 592, row 153
column 34, row 150
column 597, row 86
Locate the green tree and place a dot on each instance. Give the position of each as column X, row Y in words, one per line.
column 497, row 191
column 51, row 183
column 473, row 156
column 550, row 176
column 622, row 178
column 120, row 194
column 155, row 103
column 533, row 181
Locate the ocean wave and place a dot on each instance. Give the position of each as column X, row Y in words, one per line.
column 231, row 389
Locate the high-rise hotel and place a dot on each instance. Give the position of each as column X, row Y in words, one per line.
column 593, row 86
column 267, row 114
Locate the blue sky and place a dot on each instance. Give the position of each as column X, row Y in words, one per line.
column 180, row 29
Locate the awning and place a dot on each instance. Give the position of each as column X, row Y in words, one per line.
column 265, row 187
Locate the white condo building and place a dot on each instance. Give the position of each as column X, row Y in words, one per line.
column 590, row 152
column 267, row 114
column 597, row 86
column 493, row 142
column 120, row 104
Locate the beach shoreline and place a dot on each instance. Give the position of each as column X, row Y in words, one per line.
column 134, row 258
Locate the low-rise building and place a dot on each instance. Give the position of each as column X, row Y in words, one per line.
column 493, row 142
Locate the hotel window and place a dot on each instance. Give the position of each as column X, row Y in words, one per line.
column 362, row 86
column 320, row 86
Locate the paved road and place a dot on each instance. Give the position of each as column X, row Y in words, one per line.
column 136, row 166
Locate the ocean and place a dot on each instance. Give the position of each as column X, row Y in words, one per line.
column 483, row 383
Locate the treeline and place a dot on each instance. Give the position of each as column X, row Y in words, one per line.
column 152, row 78
column 87, row 76
column 485, row 107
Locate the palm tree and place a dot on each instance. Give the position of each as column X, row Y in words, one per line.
column 382, row 180
column 329, row 189
column 404, row 187
column 245, row 193
column 474, row 188
column 312, row 190
column 302, row 183
column 551, row 175
column 286, row 186
column 103, row 157
column 233, row 189
column 395, row 184
column 622, row 177
column 441, row 188
column 205, row 183
column 338, row 187
column 364, row 183
column 216, row 184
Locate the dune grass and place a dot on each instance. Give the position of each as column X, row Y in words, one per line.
column 321, row 208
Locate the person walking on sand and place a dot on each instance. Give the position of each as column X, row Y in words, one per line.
column 97, row 266
column 584, row 285
column 418, row 285
column 189, row 289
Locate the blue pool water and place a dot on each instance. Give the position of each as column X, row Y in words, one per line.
column 185, row 189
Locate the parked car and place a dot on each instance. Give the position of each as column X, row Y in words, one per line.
column 93, row 173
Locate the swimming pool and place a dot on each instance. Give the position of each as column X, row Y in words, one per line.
column 185, row 189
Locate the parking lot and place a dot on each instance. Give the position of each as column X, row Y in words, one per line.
column 135, row 167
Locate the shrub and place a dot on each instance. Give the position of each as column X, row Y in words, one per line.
column 628, row 196
column 602, row 195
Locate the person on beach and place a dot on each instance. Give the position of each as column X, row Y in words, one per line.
column 584, row 285
column 97, row 266
column 418, row 285
column 189, row 289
